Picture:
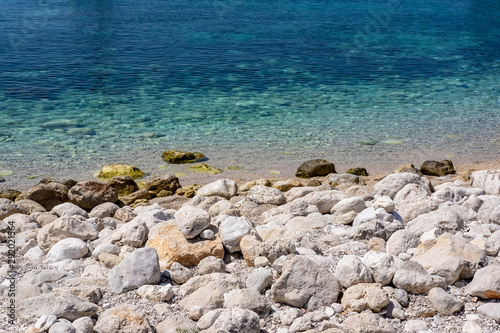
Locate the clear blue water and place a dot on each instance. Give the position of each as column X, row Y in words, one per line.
column 88, row 82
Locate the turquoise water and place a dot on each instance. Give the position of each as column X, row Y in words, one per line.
column 88, row 82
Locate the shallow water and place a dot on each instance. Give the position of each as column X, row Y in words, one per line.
column 254, row 83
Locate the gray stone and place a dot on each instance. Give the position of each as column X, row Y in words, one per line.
column 259, row 279
column 173, row 324
column 367, row 322
column 232, row 230
column 401, row 296
column 346, row 210
column 491, row 310
column 8, row 207
column 445, row 218
column 401, row 241
column 415, row 326
column 229, row 320
column 351, row 270
column 106, row 248
column 133, row 233
column 323, row 200
column 179, row 274
column 138, row 268
column 413, row 278
column 62, row 327
column 156, row 293
column 39, row 277
column 486, row 283
column 69, row 209
column 192, row 221
column 384, row 202
column 345, row 180
column 381, row 265
column 123, row 319
column 225, row 188
column 69, row 248
column 63, row 306
column 249, row 299
column 443, row 302
column 303, row 283
column 413, row 200
column 486, row 179
column 107, row 209
column 84, row 325
column 210, row 265
column 266, row 195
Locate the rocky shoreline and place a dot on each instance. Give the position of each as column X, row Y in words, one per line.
column 322, row 252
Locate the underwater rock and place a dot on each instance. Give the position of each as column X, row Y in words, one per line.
column 202, row 167
column 357, row 171
column 178, row 157
column 111, row 170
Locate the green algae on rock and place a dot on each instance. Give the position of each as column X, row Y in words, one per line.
column 179, row 157
column 111, row 170
column 202, row 167
column 357, row 171
column 188, row 191
column 6, row 172
column 234, row 167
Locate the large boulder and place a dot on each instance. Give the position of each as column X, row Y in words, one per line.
column 63, row 306
column 172, row 246
column 137, row 269
column 111, row 170
column 450, row 256
column 65, row 227
column 225, row 188
column 48, row 194
column 393, row 183
column 313, row 168
column 435, row 168
column 89, row 194
column 304, row 283
column 123, row 319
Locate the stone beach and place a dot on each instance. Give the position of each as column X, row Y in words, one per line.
column 414, row 250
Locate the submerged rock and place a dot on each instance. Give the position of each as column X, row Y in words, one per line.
column 178, row 157
column 202, row 167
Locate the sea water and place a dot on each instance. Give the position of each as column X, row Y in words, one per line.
column 89, row 82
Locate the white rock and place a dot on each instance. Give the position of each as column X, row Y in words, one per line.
column 207, row 234
column 351, row 270
column 225, row 188
column 382, row 266
column 156, row 293
column 486, row 179
column 105, row 248
column 232, row 230
column 69, row 248
column 415, row 326
column 393, row 183
column 384, row 202
column 34, row 254
column 69, row 209
column 261, row 194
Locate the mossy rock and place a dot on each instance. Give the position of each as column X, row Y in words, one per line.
column 179, row 157
column 188, row 191
column 6, row 172
column 202, row 167
column 234, row 167
column 357, row 171
column 10, row 194
column 111, row 170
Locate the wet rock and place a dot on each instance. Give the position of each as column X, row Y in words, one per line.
column 172, row 246
column 124, row 185
column 138, row 268
column 435, row 168
column 178, row 157
column 225, row 188
column 89, row 194
column 166, row 183
column 486, row 283
column 123, row 319
column 357, row 171
column 313, row 168
column 303, row 283
column 443, row 302
column 112, row 170
column 47, row 194
column 9, row 194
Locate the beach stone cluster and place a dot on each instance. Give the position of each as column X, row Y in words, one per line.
column 405, row 253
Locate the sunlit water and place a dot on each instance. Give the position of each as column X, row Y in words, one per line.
column 89, row 82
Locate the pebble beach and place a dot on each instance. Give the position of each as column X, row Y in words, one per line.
column 414, row 249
